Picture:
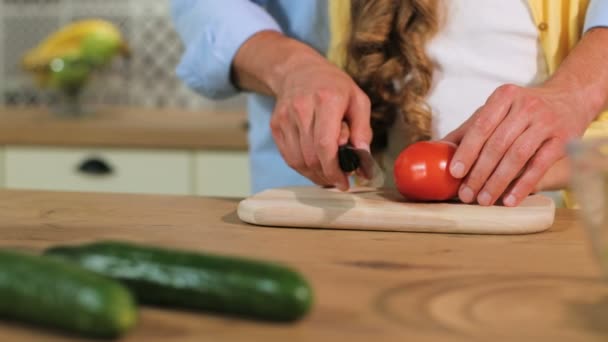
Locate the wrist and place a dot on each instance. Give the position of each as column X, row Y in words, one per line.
column 289, row 57
column 266, row 59
column 583, row 75
column 585, row 99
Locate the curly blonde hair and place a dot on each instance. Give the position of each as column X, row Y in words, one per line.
column 386, row 57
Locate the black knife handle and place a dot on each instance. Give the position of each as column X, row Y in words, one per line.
column 348, row 158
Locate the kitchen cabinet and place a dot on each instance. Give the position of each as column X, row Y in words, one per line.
column 178, row 172
column 130, row 150
column 221, row 173
column 95, row 169
column 1, row 167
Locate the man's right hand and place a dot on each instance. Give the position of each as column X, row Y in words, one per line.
column 313, row 98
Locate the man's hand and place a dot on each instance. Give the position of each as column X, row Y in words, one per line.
column 313, row 98
column 312, row 101
column 508, row 144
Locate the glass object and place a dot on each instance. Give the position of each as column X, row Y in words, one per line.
column 590, row 184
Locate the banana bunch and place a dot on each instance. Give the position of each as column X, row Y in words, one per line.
column 66, row 58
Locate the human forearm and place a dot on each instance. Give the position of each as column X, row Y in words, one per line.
column 263, row 61
column 212, row 32
column 583, row 76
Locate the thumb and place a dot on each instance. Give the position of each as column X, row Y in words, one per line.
column 358, row 117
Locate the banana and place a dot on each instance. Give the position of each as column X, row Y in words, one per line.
column 67, row 42
column 67, row 56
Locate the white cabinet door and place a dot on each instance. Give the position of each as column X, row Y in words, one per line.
column 222, row 173
column 1, row 167
column 105, row 170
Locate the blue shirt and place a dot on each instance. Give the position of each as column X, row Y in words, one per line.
column 213, row 31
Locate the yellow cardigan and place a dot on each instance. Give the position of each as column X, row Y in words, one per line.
column 560, row 25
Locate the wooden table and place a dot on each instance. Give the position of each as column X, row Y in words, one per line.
column 369, row 286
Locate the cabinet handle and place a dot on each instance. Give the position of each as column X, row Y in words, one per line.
column 95, row 166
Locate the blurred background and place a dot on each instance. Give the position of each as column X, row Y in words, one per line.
column 42, row 149
column 147, row 79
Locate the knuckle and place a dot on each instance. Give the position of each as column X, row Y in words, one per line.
column 561, row 135
column 483, row 124
column 367, row 135
column 296, row 163
column 495, row 188
column 276, row 134
column 533, row 102
column 311, row 161
column 535, row 106
column 325, row 143
column 475, row 178
column 495, row 150
column 558, row 143
column 363, row 99
column 300, row 105
column 501, row 178
column 547, row 119
column 538, row 166
column 275, row 125
column 521, row 153
column 325, row 95
column 280, row 109
column 474, row 181
column 544, row 159
column 507, row 90
column 314, row 164
column 280, row 112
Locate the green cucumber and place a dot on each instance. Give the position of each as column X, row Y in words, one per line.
column 229, row 285
column 40, row 290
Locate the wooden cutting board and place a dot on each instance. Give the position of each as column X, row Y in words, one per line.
column 386, row 210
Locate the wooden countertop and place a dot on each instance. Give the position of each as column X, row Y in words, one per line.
column 125, row 127
column 369, row 286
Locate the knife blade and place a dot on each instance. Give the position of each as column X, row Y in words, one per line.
column 351, row 159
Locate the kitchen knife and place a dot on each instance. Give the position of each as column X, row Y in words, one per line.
column 351, row 159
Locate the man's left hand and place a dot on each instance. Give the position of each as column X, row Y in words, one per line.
column 509, row 143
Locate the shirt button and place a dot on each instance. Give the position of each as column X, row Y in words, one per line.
column 543, row 26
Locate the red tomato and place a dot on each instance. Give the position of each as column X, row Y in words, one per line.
column 422, row 174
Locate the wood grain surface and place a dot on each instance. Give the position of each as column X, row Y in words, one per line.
column 369, row 285
column 125, row 127
column 386, row 209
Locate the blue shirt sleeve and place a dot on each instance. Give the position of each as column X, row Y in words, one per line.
column 597, row 14
column 212, row 32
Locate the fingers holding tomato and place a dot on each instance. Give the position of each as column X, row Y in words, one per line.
column 422, row 171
